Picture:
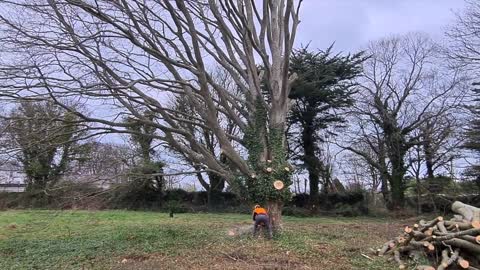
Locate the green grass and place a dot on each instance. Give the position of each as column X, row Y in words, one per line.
column 148, row 240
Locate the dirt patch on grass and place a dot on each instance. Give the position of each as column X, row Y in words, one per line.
column 263, row 256
column 318, row 246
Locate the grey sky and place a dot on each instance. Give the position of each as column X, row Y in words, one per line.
column 352, row 23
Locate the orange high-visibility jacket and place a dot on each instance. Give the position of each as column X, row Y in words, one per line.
column 259, row 211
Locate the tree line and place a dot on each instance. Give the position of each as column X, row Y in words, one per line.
column 219, row 86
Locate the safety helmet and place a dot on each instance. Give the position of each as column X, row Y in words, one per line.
column 257, row 206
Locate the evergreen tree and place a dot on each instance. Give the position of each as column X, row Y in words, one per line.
column 323, row 87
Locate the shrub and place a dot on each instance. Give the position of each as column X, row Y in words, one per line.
column 300, row 200
column 200, row 197
column 176, row 207
column 296, row 211
column 179, row 195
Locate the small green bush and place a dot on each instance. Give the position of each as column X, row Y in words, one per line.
column 296, row 211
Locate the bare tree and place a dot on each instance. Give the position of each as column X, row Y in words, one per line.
column 102, row 160
column 440, row 141
column 464, row 51
column 132, row 55
column 464, row 38
column 403, row 87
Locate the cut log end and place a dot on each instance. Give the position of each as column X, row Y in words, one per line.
column 425, row 267
column 464, row 264
column 476, row 224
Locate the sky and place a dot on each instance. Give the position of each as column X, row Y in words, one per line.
column 352, row 23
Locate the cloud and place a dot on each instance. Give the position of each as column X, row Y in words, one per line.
column 352, row 23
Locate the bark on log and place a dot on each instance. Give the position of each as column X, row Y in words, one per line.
column 385, row 247
column 398, row 259
column 461, row 225
column 430, row 224
column 471, row 239
column 425, row 267
column 457, row 234
column 445, row 258
column 441, row 227
column 464, row 245
column 274, row 209
column 468, row 212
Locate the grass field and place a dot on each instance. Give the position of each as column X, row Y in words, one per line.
column 148, row 240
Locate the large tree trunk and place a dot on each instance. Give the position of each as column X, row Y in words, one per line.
column 397, row 192
column 419, row 208
column 397, row 182
column 313, row 176
column 470, row 213
column 217, row 184
column 429, row 152
column 274, row 209
column 397, row 156
column 310, row 159
column 385, row 190
column 430, row 171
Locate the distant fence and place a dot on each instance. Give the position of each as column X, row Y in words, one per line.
column 9, row 187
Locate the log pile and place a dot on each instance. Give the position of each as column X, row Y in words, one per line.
column 447, row 244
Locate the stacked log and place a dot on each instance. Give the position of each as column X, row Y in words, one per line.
column 448, row 244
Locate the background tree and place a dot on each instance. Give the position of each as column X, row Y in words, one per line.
column 148, row 173
column 46, row 138
column 142, row 135
column 133, row 54
column 324, row 87
column 402, row 88
column 209, row 180
column 464, row 51
column 472, row 141
column 440, row 141
column 102, row 160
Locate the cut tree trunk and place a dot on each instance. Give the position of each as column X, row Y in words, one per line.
column 274, row 209
column 470, row 213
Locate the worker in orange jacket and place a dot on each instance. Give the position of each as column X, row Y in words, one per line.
column 260, row 216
